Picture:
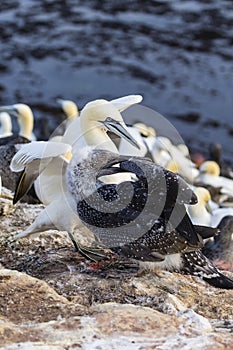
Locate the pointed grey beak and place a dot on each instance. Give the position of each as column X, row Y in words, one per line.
column 9, row 109
column 120, row 130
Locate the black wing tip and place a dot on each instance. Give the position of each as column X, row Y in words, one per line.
column 220, row 281
column 206, row 231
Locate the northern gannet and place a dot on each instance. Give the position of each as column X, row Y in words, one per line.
column 25, row 119
column 210, row 175
column 215, row 151
column 90, row 130
column 71, row 111
column 146, row 219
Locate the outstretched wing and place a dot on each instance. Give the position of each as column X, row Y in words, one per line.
column 125, row 102
column 32, row 159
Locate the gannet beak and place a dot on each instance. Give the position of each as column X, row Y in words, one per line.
column 120, row 130
column 10, row 110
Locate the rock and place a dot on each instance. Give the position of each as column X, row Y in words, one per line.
column 51, row 300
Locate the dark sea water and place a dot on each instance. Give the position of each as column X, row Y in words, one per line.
column 178, row 54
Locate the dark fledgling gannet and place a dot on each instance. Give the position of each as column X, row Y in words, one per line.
column 144, row 219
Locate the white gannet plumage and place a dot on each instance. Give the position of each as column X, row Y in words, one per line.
column 99, row 117
column 5, row 124
column 145, row 137
column 202, row 213
column 25, row 118
column 210, row 174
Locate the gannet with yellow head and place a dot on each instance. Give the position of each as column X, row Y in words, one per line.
column 210, row 174
column 25, row 118
column 90, row 130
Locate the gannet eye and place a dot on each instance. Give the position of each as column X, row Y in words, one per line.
column 108, row 119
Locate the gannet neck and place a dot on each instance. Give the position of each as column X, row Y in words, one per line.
column 25, row 120
column 199, row 211
column 6, row 126
column 71, row 110
column 97, row 137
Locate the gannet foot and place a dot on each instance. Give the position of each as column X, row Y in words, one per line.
column 90, row 253
column 21, row 235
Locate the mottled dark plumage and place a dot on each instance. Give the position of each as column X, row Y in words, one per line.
column 143, row 219
column 221, row 248
column 13, row 140
column 197, row 264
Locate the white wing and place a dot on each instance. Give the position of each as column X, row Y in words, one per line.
column 125, row 102
column 37, row 150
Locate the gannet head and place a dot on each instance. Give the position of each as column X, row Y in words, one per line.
column 25, row 117
column 203, row 196
column 69, row 107
column 145, row 130
column 210, row 167
column 105, row 116
column 173, row 166
column 142, row 128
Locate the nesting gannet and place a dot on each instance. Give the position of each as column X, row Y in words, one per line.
column 215, row 151
column 183, row 165
column 202, row 213
column 9, row 145
column 96, row 118
column 5, row 125
column 145, row 137
column 71, row 111
column 146, row 219
column 210, row 174
column 25, row 119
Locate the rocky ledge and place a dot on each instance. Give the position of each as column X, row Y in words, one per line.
column 52, row 299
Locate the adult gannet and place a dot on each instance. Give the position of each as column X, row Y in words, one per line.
column 96, row 118
column 210, row 174
column 146, row 219
column 215, row 151
column 9, row 145
column 25, row 119
column 145, row 137
column 174, row 158
column 5, row 125
column 71, row 111
column 202, row 213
